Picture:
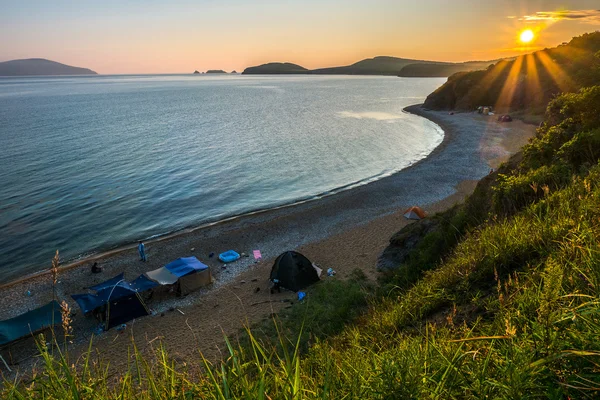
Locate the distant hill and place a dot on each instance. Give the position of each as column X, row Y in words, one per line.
column 40, row 66
column 442, row 70
column 375, row 66
column 370, row 66
column 215, row 71
column 276, row 68
column 526, row 83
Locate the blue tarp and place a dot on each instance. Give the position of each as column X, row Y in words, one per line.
column 30, row 322
column 142, row 283
column 122, row 289
column 87, row 302
column 108, row 283
column 185, row 266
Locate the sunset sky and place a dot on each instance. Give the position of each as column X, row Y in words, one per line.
column 152, row 36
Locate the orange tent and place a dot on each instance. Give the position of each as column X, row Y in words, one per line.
column 414, row 213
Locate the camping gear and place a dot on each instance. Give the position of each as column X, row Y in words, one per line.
column 414, row 213
column 330, row 272
column 293, row 271
column 301, row 296
column 257, row 255
column 229, row 256
column 116, row 301
column 30, row 323
column 187, row 272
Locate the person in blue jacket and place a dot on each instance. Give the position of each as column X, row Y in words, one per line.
column 141, row 250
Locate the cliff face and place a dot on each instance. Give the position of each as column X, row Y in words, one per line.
column 526, row 83
column 40, row 66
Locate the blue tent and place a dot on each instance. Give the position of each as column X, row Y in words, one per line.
column 117, row 300
column 142, row 283
column 29, row 323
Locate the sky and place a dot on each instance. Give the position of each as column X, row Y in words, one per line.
column 180, row 36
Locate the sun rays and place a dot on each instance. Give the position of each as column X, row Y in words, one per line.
column 524, row 75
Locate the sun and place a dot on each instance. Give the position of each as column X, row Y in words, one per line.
column 526, row 36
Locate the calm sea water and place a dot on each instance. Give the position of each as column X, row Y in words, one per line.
column 88, row 163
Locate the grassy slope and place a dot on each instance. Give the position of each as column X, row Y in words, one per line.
column 500, row 302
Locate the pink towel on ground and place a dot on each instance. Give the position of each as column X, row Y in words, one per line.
column 257, row 255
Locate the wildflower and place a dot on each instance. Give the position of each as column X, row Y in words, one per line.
column 510, row 330
column 54, row 269
column 65, row 311
column 546, row 190
column 534, row 186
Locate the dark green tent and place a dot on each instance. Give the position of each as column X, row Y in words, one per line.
column 30, row 323
column 293, row 271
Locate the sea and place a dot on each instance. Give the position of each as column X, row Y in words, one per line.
column 91, row 163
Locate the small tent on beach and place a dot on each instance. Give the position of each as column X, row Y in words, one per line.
column 187, row 273
column 293, row 271
column 116, row 301
column 414, row 213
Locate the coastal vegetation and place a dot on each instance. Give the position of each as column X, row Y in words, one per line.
column 498, row 298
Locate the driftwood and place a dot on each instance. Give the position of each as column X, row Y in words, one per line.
column 261, row 302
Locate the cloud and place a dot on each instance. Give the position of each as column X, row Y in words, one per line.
column 592, row 16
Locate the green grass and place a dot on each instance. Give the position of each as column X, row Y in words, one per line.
column 503, row 303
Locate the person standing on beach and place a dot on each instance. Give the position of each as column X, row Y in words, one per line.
column 142, row 251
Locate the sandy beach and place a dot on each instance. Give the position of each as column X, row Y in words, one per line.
column 344, row 231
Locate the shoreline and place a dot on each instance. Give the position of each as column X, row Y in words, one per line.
column 344, row 231
column 92, row 256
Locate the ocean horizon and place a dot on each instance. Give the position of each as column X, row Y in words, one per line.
column 91, row 163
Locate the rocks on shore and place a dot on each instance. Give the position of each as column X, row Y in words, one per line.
column 403, row 242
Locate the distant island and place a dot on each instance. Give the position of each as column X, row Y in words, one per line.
column 40, row 66
column 390, row 66
column 196, row 72
column 276, row 68
column 215, row 71
column 234, row 72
